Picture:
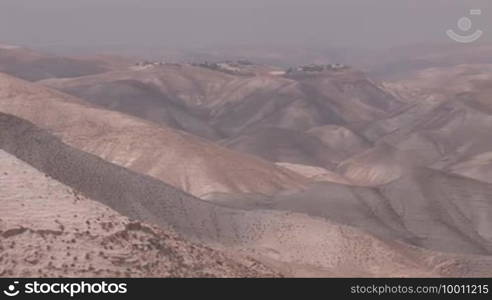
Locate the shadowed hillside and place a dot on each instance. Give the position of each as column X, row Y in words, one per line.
column 50, row 230
column 175, row 157
column 280, row 239
column 277, row 238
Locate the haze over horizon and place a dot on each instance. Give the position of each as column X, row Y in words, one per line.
column 53, row 24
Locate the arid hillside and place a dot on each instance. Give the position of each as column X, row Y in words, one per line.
column 32, row 65
column 175, row 157
column 254, row 114
column 292, row 243
column 241, row 169
column 448, row 118
column 48, row 230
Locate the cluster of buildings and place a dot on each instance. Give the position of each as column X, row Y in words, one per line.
column 231, row 67
column 317, row 68
column 245, row 67
column 146, row 63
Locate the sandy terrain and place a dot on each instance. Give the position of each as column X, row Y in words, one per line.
column 49, row 230
column 233, row 105
column 180, row 159
column 293, row 243
column 326, row 174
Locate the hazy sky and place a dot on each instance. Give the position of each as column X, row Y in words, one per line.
column 185, row 23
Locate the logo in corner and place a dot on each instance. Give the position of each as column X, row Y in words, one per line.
column 11, row 290
column 465, row 24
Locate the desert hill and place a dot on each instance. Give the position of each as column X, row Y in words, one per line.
column 478, row 167
column 284, row 145
column 236, row 109
column 33, row 65
column 406, row 61
column 295, row 244
column 298, row 102
column 315, row 171
column 447, row 117
column 49, row 230
column 424, row 207
column 175, row 157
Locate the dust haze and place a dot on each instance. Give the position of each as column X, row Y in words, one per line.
column 52, row 24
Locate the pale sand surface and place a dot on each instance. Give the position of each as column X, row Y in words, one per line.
column 47, row 229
